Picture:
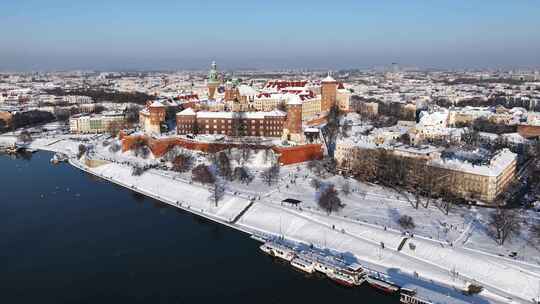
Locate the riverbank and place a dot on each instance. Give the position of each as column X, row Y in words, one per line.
column 263, row 218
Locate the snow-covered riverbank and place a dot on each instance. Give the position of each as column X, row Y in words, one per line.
column 435, row 268
column 413, row 269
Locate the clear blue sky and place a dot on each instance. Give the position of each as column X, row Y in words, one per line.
column 133, row 34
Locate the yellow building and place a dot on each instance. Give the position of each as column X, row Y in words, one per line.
column 484, row 183
column 95, row 123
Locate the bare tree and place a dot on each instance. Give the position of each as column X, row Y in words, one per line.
column 271, row 175
column 182, row 162
column 137, row 170
column 329, row 200
column 238, row 125
column 391, row 170
column 535, row 232
column 406, row 222
column 246, row 151
column 82, row 150
column 330, row 165
column 268, row 154
column 364, row 166
column 114, row 147
column 534, row 148
column 331, row 129
column 61, row 114
column 315, row 183
column 131, row 114
column 243, row 174
column 224, row 165
column 202, row 174
column 505, row 222
column 317, row 167
column 140, row 148
column 346, row 188
column 217, row 191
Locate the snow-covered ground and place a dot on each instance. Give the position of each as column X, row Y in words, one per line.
column 449, row 249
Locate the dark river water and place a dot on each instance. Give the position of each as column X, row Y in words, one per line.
column 68, row 237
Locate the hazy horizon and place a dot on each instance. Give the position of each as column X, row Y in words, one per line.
column 172, row 35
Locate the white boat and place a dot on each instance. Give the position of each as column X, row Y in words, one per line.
column 347, row 277
column 323, row 267
column 303, row 263
column 277, row 250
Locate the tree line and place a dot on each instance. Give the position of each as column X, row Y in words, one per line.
column 25, row 119
column 102, row 95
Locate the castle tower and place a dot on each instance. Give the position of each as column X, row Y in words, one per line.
column 293, row 125
column 157, row 113
column 213, row 80
column 151, row 117
column 328, row 93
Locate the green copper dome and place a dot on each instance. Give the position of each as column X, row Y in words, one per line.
column 213, row 74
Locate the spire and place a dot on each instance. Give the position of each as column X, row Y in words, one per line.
column 329, row 78
column 213, row 73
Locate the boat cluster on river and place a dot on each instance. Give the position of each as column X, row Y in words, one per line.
column 312, row 260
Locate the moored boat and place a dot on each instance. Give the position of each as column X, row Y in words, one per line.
column 346, row 277
column 277, row 250
column 303, row 263
column 381, row 284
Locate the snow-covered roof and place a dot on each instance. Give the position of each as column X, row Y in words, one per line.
column 246, row 90
column 311, row 129
column 187, row 112
column 156, row 104
column 293, row 99
column 496, row 166
column 328, row 79
column 433, row 119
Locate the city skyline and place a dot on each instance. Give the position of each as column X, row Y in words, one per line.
column 131, row 35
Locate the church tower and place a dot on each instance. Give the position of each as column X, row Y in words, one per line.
column 213, row 81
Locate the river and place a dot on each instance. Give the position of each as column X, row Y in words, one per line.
column 69, row 237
